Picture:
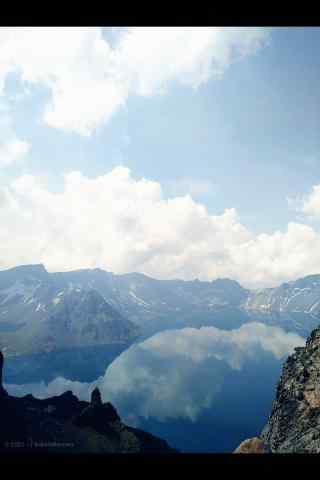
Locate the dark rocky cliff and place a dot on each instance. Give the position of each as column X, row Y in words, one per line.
column 294, row 422
column 64, row 424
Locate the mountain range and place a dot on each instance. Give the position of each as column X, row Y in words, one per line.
column 111, row 308
column 75, row 323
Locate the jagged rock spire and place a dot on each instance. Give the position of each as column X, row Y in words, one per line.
column 96, row 397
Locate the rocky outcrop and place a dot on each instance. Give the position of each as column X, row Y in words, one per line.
column 96, row 397
column 294, row 422
column 2, row 390
column 252, row 445
column 64, row 424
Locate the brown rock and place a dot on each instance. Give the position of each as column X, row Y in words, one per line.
column 251, row 445
column 312, row 397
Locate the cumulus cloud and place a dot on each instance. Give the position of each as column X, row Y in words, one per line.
column 89, row 77
column 307, row 205
column 310, row 204
column 122, row 224
column 12, row 151
column 12, row 148
column 177, row 373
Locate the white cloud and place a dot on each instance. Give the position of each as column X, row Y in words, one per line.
column 89, row 79
column 12, row 151
column 310, row 204
column 177, row 373
column 122, row 224
column 12, row 148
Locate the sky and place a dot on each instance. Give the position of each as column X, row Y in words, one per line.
column 176, row 152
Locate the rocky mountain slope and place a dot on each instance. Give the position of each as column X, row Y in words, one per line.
column 63, row 424
column 302, row 295
column 156, row 305
column 294, row 422
column 36, row 315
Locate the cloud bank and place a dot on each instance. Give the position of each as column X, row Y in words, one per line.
column 123, row 224
column 177, row 373
column 89, row 78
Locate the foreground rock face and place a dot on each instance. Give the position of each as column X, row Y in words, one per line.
column 64, row 424
column 252, row 445
column 294, row 422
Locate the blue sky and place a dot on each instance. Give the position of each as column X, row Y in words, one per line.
column 247, row 139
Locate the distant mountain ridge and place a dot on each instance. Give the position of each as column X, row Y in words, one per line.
column 299, row 295
column 139, row 305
